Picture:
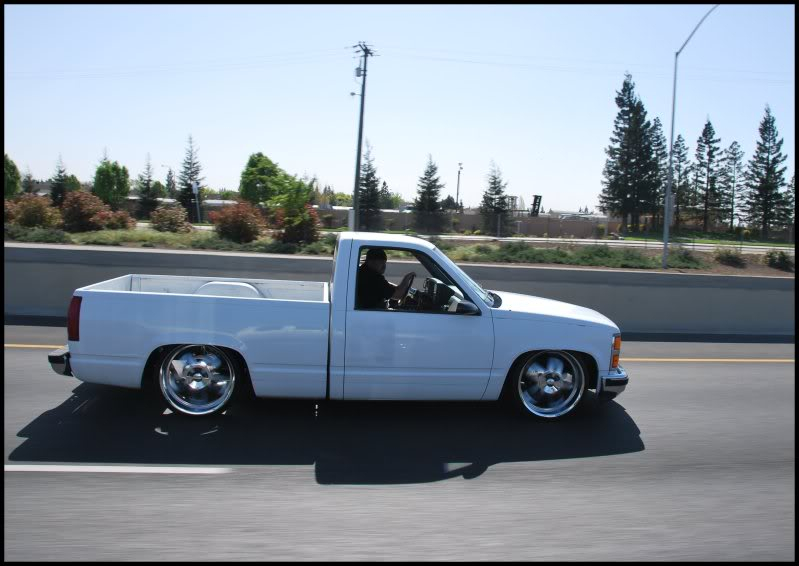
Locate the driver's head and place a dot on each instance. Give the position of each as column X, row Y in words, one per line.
column 376, row 260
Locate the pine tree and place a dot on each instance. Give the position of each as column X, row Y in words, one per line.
column 731, row 181
column 329, row 196
column 171, row 185
column 385, row 196
column 28, row 183
column 681, row 180
column 631, row 170
column 58, row 184
column 707, row 175
column 370, row 216
column 427, row 212
column 148, row 193
column 764, row 177
column 188, row 175
column 787, row 210
column 494, row 206
column 661, row 151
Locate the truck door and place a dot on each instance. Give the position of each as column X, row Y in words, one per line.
column 409, row 354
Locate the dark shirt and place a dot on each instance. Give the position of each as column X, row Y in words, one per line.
column 372, row 289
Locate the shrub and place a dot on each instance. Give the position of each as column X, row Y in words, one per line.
column 81, row 212
column 779, row 260
column 34, row 211
column 300, row 227
column 240, row 222
column 37, row 235
column 9, row 210
column 478, row 232
column 170, row 218
column 121, row 220
column 729, row 257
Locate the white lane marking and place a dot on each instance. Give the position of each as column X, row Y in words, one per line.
column 116, row 469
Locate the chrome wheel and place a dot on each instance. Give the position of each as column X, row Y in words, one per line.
column 197, row 379
column 550, row 383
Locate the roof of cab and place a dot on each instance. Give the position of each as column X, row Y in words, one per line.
column 388, row 239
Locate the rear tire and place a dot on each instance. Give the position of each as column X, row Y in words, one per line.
column 199, row 380
column 547, row 385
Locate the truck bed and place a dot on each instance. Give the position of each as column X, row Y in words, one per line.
column 312, row 291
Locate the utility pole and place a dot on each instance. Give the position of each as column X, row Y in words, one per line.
column 360, row 71
column 458, row 188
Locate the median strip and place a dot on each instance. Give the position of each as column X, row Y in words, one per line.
column 116, row 469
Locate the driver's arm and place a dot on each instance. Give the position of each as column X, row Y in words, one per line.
column 397, row 295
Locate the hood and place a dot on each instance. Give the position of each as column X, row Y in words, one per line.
column 517, row 306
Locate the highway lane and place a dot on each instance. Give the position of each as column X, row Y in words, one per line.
column 696, row 460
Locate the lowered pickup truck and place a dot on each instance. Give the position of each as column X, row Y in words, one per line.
column 203, row 342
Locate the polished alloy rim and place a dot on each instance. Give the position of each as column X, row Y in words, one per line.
column 551, row 383
column 197, row 379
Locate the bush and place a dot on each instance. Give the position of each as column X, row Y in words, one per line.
column 729, row 257
column 240, row 222
column 121, row 220
column 37, row 235
column 170, row 218
column 779, row 260
column 33, row 211
column 9, row 211
column 82, row 210
column 301, row 227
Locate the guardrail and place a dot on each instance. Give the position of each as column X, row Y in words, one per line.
column 39, row 281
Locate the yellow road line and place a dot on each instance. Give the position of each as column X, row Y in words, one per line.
column 42, row 346
column 714, row 360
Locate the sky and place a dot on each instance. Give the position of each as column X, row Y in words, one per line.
column 530, row 87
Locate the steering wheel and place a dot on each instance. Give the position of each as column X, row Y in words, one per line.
column 405, row 290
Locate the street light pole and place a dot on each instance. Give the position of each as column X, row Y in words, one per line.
column 458, row 187
column 667, row 203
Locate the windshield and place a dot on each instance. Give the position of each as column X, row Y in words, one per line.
column 479, row 291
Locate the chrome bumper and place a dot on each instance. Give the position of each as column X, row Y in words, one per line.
column 59, row 361
column 612, row 384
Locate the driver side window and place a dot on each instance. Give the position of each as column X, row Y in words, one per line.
column 428, row 292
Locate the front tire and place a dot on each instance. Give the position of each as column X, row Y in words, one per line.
column 198, row 380
column 548, row 384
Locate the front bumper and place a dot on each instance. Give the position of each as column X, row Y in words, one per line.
column 612, row 384
column 59, row 361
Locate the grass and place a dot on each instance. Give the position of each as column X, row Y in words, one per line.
column 703, row 238
column 509, row 252
column 598, row 256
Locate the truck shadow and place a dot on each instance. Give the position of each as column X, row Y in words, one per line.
column 346, row 442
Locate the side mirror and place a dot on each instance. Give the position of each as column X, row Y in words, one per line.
column 465, row 307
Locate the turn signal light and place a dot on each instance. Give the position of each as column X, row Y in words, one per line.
column 615, row 351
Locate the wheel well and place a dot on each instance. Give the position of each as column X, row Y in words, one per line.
column 156, row 355
column 587, row 359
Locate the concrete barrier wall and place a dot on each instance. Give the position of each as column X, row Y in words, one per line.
column 39, row 281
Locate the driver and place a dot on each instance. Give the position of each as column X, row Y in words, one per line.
column 373, row 290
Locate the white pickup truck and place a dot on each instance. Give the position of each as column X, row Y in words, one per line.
column 203, row 342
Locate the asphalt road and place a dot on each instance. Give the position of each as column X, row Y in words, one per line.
column 695, row 461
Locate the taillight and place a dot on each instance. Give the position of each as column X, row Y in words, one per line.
column 73, row 320
column 615, row 351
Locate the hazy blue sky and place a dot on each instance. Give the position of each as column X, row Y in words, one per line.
column 531, row 87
